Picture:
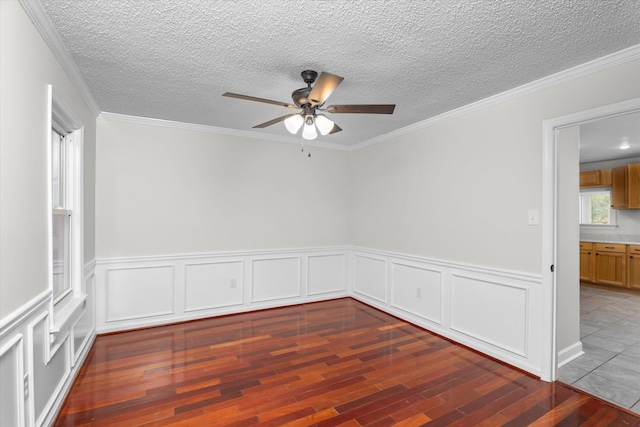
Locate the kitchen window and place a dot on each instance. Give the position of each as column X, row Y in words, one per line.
column 595, row 207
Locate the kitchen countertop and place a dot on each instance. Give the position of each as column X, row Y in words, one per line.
column 625, row 239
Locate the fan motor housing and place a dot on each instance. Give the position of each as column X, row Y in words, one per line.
column 301, row 96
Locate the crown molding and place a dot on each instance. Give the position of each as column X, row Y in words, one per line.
column 36, row 13
column 43, row 24
column 603, row 63
column 217, row 130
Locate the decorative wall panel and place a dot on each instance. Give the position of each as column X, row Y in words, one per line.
column 137, row 292
column 275, row 278
column 326, row 273
column 213, row 284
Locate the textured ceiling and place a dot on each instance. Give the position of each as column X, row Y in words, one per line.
column 173, row 59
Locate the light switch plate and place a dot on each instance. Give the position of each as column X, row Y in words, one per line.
column 533, row 217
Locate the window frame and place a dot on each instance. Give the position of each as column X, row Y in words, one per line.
column 64, row 121
column 588, row 192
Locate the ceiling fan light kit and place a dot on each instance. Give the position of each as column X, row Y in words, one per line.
column 311, row 99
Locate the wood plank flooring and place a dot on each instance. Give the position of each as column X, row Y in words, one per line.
column 333, row 363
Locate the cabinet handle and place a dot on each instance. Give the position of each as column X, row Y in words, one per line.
column 588, row 253
column 609, row 247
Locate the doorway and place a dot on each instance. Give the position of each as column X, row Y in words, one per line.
column 554, row 226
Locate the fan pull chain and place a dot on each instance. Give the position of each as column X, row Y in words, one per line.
column 309, row 155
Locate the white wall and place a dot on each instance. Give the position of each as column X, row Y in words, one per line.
column 460, row 189
column 162, row 190
column 37, row 364
column 27, row 66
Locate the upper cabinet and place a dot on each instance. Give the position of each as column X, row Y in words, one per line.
column 599, row 178
column 625, row 187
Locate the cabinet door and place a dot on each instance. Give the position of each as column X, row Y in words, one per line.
column 634, row 266
column 589, row 179
column 587, row 265
column 611, row 268
column 633, row 189
column 619, row 188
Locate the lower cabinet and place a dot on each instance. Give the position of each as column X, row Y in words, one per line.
column 587, row 262
column 611, row 264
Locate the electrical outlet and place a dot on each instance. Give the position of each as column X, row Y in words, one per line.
column 233, row 283
column 418, row 292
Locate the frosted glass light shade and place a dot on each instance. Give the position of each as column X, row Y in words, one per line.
column 309, row 131
column 325, row 125
column 293, row 123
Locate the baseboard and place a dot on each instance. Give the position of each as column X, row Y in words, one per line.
column 569, row 353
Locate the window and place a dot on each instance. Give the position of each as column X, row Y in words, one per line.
column 61, row 214
column 64, row 152
column 595, row 207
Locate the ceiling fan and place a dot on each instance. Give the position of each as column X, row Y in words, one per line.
column 310, row 101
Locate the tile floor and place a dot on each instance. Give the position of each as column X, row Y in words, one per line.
column 610, row 335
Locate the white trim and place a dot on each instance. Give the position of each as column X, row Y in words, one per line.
column 219, row 130
column 549, row 214
column 603, row 63
column 13, row 320
column 229, row 254
column 509, row 274
column 44, row 26
column 569, row 353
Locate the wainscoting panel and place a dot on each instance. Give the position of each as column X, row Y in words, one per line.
column 37, row 366
column 370, row 278
column 83, row 330
column 417, row 290
column 139, row 292
column 194, row 286
column 49, row 366
column 494, row 311
column 326, row 274
column 213, row 284
column 275, row 279
column 502, row 320
column 11, row 383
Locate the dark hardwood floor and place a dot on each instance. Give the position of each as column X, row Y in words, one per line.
column 331, row 363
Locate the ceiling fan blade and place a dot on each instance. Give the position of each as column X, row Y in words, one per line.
column 274, row 121
column 335, row 129
column 324, row 86
column 362, row 108
column 253, row 98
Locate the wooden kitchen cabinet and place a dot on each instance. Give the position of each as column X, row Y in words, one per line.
column 587, row 262
column 599, row 178
column 625, row 187
column 633, row 280
column 611, row 264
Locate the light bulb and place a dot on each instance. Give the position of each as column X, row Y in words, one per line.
column 309, row 131
column 293, row 123
column 325, row 125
